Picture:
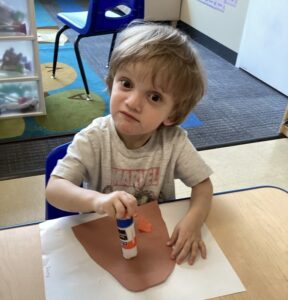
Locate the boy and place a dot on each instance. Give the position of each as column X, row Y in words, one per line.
column 133, row 155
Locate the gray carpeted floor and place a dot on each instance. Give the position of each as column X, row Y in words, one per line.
column 237, row 109
column 27, row 158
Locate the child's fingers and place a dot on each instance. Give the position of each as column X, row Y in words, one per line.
column 202, row 249
column 183, row 253
column 197, row 246
column 173, row 238
column 120, row 210
column 194, row 252
column 178, row 245
column 131, row 205
column 125, row 205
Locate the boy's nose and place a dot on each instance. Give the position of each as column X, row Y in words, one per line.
column 134, row 102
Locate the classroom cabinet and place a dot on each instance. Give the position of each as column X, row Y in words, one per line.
column 21, row 92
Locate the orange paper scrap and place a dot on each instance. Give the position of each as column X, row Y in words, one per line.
column 142, row 224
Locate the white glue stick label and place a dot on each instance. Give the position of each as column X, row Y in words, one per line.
column 127, row 237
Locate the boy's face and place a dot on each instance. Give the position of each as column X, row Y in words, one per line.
column 138, row 106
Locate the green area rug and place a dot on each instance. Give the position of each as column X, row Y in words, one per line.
column 68, row 111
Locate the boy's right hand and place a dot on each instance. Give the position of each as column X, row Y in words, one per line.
column 118, row 204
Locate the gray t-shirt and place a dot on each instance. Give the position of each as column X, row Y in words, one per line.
column 99, row 158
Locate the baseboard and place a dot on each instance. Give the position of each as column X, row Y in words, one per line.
column 208, row 42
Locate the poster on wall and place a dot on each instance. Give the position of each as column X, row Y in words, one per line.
column 219, row 4
column 216, row 4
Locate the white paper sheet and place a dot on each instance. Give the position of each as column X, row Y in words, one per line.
column 69, row 273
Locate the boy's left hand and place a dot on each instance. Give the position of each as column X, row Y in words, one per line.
column 186, row 241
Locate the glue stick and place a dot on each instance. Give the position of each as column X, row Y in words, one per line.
column 127, row 236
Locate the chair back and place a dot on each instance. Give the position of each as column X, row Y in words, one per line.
column 59, row 152
column 99, row 18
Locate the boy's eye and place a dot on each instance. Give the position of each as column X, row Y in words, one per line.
column 155, row 97
column 126, row 83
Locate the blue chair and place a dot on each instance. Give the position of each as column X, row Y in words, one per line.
column 51, row 161
column 102, row 17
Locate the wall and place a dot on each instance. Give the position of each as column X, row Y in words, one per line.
column 224, row 27
column 263, row 51
column 162, row 10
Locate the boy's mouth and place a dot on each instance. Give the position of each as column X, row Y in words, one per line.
column 128, row 116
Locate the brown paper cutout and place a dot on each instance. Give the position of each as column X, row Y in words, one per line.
column 150, row 267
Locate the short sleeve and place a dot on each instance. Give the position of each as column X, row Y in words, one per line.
column 190, row 167
column 75, row 164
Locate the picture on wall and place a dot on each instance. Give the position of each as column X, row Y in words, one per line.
column 16, row 59
column 14, row 18
column 19, row 98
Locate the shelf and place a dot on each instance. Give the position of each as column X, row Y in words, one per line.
column 21, row 90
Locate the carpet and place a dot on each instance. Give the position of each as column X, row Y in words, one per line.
column 42, row 17
column 237, row 108
column 67, row 108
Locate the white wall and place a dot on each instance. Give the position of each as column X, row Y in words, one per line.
column 264, row 47
column 224, row 27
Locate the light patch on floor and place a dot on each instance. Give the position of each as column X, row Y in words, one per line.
column 244, row 166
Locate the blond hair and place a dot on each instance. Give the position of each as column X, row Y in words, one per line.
column 170, row 55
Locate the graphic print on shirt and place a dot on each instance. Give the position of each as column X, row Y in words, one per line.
column 138, row 182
